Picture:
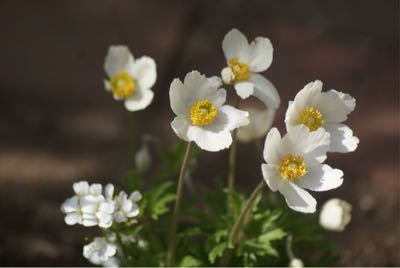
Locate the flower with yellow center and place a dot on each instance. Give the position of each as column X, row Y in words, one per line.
column 122, row 85
column 294, row 163
column 130, row 80
column 240, row 70
column 328, row 110
column 201, row 115
column 311, row 118
column 292, row 167
column 244, row 62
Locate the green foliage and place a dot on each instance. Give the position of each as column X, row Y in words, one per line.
column 205, row 224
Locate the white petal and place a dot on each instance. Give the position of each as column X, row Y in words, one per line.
column 265, row 91
column 332, row 108
column 227, row 75
column 215, row 81
column 106, row 207
column 176, row 96
column 107, row 85
column 73, row 218
column 314, row 144
column 135, row 196
column 209, row 140
column 235, row 45
column 118, row 58
column 230, row 118
column 81, row 188
column 306, row 96
column 271, row 176
column 70, row 205
column 197, row 87
column 261, row 52
column 321, row 178
column 133, row 212
column 181, row 125
column 347, row 100
column 342, row 139
column 272, row 144
column 297, row 198
column 120, row 217
column 139, row 100
column 218, row 98
column 109, row 191
column 95, row 189
column 89, row 222
column 244, row 89
column 144, row 71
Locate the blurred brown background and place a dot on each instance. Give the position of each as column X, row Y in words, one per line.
column 58, row 125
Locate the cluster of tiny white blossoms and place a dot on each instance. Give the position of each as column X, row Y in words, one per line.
column 94, row 206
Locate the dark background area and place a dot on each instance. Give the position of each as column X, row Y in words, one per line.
column 58, row 125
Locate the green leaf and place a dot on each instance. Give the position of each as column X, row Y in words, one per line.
column 190, row 261
column 217, row 251
column 272, row 235
column 161, row 205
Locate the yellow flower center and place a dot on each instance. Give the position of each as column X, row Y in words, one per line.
column 203, row 113
column 311, row 118
column 240, row 70
column 122, row 85
column 292, row 167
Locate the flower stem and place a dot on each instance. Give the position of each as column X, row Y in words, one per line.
column 243, row 217
column 289, row 251
column 174, row 221
column 132, row 137
column 232, row 161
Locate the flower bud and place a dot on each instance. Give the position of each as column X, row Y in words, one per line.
column 335, row 215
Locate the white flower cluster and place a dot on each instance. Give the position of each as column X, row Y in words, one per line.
column 101, row 252
column 91, row 206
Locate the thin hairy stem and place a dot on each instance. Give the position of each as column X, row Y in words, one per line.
column 132, row 137
column 175, row 215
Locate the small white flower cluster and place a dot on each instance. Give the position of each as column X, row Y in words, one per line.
column 101, row 252
column 91, row 207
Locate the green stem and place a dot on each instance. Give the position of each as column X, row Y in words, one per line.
column 174, row 221
column 232, row 161
column 132, row 137
column 243, row 217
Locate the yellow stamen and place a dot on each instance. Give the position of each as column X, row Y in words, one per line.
column 240, row 70
column 122, row 85
column 203, row 113
column 292, row 167
column 311, row 118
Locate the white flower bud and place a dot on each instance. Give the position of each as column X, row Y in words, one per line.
column 143, row 159
column 335, row 215
column 227, row 75
column 296, row 263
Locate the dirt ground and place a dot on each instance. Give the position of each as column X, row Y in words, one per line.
column 58, row 125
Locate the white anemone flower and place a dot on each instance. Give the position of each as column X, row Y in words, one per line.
column 260, row 122
column 316, row 109
column 295, row 163
column 88, row 207
column 245, row 61
column 130, row 80
column 100, row 251
column 201, row 115
column 335, row 215
column 296, row 263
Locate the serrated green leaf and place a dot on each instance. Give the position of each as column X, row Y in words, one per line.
column 161, row 205
column 272, row 235
column 217, row 251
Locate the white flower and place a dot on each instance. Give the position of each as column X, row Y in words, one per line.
column 111, row 262
column 296, row 263
column 335, row 215
column 202, row 116
column 316, row 109
column 294, row 163
column 129, row 79
column 260, row 123
column 245, row 61
column 125, row 207
column 99, row 251
column 88, row 207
